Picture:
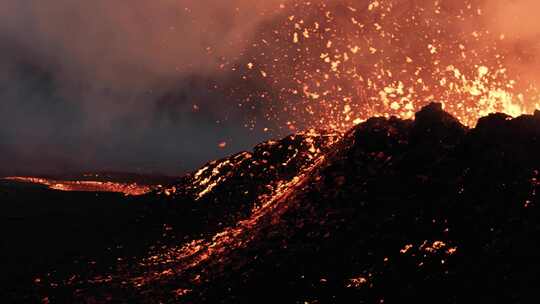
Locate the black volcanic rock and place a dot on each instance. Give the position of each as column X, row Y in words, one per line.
column 434, row 126
column 418, row 211
column 393, row 211
column 225, row 191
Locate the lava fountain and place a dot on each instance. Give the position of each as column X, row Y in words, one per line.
column 333, row 64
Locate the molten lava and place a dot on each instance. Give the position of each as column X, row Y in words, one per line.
column 86, row 186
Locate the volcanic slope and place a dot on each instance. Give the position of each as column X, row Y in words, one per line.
column 196, row 207
column 394, row 210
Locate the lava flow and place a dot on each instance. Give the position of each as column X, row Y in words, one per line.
column 131, row 189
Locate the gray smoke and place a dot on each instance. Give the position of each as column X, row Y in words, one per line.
column 87, row 85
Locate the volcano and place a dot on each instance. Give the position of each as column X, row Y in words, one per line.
column 424, row 210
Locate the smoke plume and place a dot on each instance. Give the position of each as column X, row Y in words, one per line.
column 82, row 84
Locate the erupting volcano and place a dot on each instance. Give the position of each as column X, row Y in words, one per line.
column 397, row 157
column 391, row 210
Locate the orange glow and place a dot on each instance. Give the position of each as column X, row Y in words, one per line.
column 334, row 64
column 86, row 186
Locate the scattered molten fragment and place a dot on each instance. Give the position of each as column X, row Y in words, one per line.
column 329, row 64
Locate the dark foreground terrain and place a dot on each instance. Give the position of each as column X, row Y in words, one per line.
column 393, row 211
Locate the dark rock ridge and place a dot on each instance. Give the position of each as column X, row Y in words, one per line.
column 394, row 211
column 226, row 190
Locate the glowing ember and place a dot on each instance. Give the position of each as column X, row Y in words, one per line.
column 87, row 186
column 357, row 282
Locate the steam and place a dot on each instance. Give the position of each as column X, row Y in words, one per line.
column 80, row 80
column 517, row 19
column 518, row 25
column 109, row 41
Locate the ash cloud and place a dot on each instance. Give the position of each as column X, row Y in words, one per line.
column 508, row 28
column 86, row 85
column 517, row 21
